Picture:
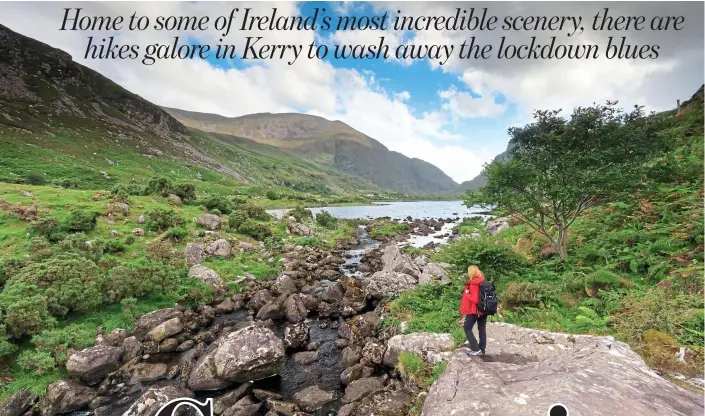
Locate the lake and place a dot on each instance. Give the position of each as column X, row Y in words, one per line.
column 395, row 210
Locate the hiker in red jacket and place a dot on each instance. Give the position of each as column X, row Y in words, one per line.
column 468, row 307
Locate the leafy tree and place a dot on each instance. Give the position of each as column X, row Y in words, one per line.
column 558, row 168
column 325, row 219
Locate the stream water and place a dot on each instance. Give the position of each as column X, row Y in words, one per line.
column 395, row 210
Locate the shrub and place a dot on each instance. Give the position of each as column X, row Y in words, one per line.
column 185, row 191
column 176, row 233
column 140, row 278
column 36, row 362
column 159, row 186
column 161, row 250
column 601, row 280
column 43, row 227
column 113, row 246
column 220, row 203
column 325, row 219
column 518, row 295
column 69, row 183
column 6, row 348
column 254, row 229
column 35, row 179
column 495, row 260
column 57, row 342
column 78, row 243
column 272, row 195
column 80, row 220
column 68, row 281
column 245, row 212
column 160, row 219
column 300, row 213
column 129, row 240
column 416, row 370
column 132, row 188
column 191, row 292
column 24, row 310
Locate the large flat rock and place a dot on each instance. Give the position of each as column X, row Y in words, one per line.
column 525, row 371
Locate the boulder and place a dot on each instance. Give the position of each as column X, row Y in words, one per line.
column 154, row 398
column 495, row 226
column 118, row 208
column 149, row 321
column 204, row 375
column 431, row 347
column 141, row 219
column 433, row 272
column 361, row 388
column 527, row 370
column 284, row 285
column 208, row 277
column 281, row 407
column 132, row 348
column 295, row 335
column 93, row 363
column 144, row 372
column 138, row 232
column 64, row 396
column 312, row 398
column 295, row 309
column 209, row 221
column 250, row 353
column 244, row 407
column 351, row 355
column 18, row 403
column 227, row 400
column 394, row 260
column 351, row 374
column 374, row 351
column 359, row 327
column 174, row 200
column 220, row 247
column 385, row 403
column 299, row 229
column 194, row 254
column 305, row 357
column 245, row 246
column 271, row 310
column 165, row 330
column 386, row 284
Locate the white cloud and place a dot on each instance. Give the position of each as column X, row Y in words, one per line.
column 462, row 104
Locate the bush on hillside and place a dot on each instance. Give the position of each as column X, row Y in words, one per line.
column 325, row 219
column 69, row 183
column 495, row 260
column 220, row 203
column 254, row 229
column 185, row 191
column 81, row 220
column 176, row 233
column 272, row 195
column 140, row 278
column 245, row 212
column 159, row 186
column 35, row 179
column 43, row 227
column 24, row 310
column 160, row 219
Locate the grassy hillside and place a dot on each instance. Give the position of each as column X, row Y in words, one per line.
column 634, row 269
column 329, row 143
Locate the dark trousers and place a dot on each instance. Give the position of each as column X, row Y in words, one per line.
column 481, row 324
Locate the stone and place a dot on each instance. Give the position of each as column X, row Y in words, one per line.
column 208, row 277
column 312, row 398
column 359, row 327
column 149, row 321
column 295, row 309
column 374, row 352
column 433, row 272
column 194, row 254
column 115, row 338
column 351, row 355
column 144, row 372
column 204, row 375
column 165, row 330
column 386, row 403
column 220, row 247
column 131, row 349
column 305, row 357
column 394, row 260
column 186, row 345
column 114, row 234
column 118, row 208
column 225, row 306
column 141, row 219
column 245, row 246
column 429, row 346
column 250, row 353
column 495, row 226
column 93, row 363
column 155, row 397
column 18, row 403
column 138, row 232
column 528, row 370
column 296, row 335
column 281, row 407
column 284, row 285
column 174, row 200
column 227, row 400
column 259, row 299
column 64, row 396
column 351, row 374
column 209, row 221
column 169, row 345
column 386, row 284
column 299, row 229
column 359, row 389
column 264, row 395
column 271, row 310
column 244, row 407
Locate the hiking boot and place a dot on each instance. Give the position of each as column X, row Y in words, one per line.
column 473, row 353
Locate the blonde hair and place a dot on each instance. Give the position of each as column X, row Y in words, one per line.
column 474, row 271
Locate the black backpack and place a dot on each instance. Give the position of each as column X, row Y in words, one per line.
column 488, row 300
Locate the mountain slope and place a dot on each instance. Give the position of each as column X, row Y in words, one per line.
column 480, row 180
column 61, row 121
column 330, row 143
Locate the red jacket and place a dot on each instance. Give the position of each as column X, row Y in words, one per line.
column 471, row 297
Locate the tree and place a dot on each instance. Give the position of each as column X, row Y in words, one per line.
column 558, row 168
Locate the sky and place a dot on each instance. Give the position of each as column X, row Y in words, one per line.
column 453, row 115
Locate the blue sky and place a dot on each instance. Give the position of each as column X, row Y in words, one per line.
column 455, row 116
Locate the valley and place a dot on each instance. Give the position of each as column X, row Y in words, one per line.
column 291, row 265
